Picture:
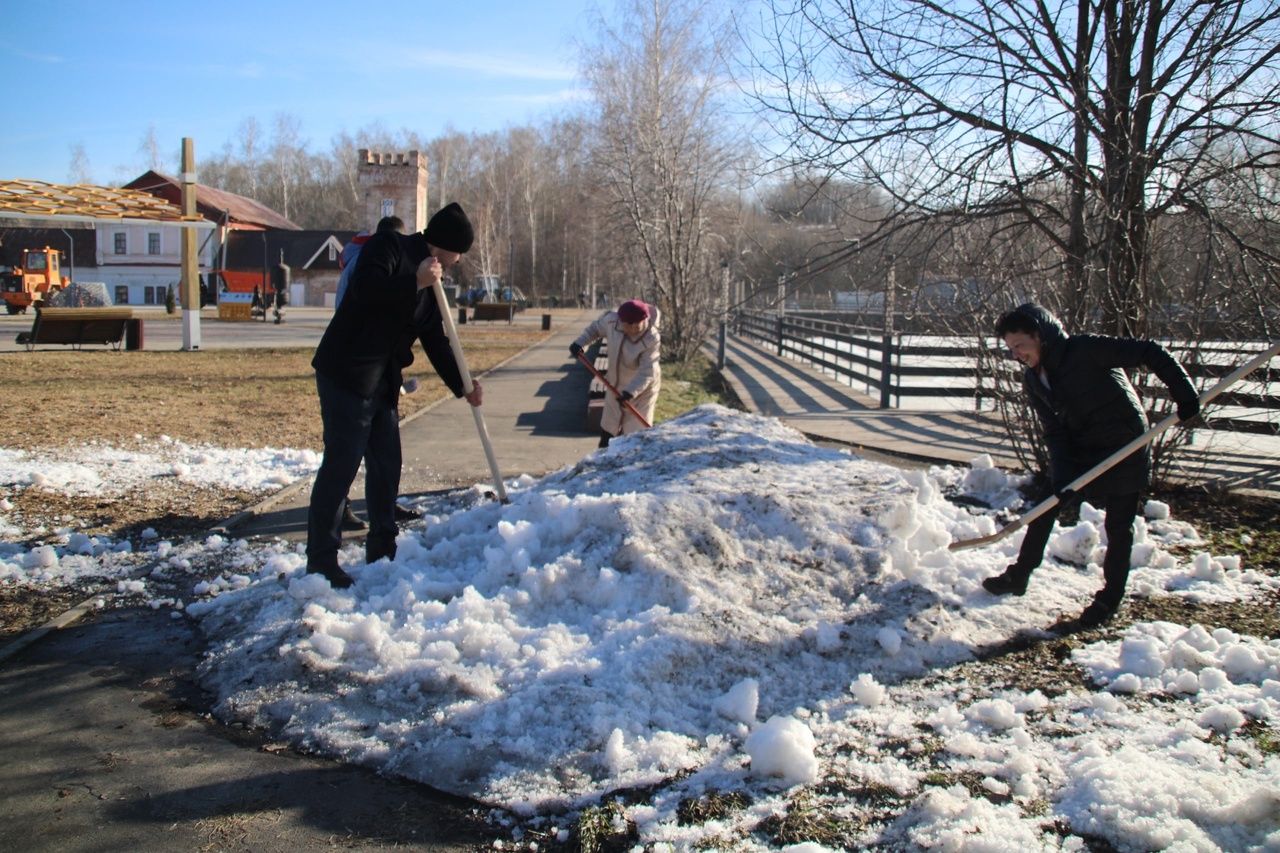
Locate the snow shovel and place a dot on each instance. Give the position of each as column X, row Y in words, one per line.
column 467, row 385
column 614, row 391
column 1106, row 464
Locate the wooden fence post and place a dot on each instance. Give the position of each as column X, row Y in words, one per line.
column 886, row 369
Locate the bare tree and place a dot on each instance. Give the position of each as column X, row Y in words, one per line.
column 149, row 148
column 288, row 156
column 1088, row 119
column 249, row 133
column 528, row 155
column 78, row 171
column 659, row 152
column 442, row 152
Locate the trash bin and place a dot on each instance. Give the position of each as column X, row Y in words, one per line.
column 462, row 316
column 546, row 322
column 133, row 334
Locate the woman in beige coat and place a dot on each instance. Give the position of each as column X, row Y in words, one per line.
column 634, row 347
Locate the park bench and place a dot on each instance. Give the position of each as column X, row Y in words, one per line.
column 494, row 311
column 76, row 327
column 596, row 390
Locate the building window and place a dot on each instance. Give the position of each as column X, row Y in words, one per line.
column 121, row 243
column 122, row 294
column 153, row 242
column 388, row 207
column 153, row 295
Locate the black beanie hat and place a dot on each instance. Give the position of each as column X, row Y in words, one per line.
column 449, row 229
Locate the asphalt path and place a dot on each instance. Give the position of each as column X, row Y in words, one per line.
column 162, row 332
column 106, row 744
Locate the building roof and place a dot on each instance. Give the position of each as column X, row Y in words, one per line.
column 240, row 212
column 302, row 249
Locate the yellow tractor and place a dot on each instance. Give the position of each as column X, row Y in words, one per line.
column 38, row 277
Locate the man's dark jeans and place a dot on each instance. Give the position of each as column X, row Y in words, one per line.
column 1121, row 510
column 355, row 428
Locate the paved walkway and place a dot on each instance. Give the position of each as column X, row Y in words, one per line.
column 823, row 409
column 534, row 414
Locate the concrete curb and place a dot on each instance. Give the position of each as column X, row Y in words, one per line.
column 60, row 621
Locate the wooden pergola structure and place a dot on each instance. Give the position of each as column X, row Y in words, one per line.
column 25, row 199
column 39, row 200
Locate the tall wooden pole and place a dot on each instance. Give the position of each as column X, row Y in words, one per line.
column 190, row 285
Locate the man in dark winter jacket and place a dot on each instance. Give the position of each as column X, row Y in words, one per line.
column 359, row 365
column 1087, row 410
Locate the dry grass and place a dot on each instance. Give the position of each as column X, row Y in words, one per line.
column 229, row 398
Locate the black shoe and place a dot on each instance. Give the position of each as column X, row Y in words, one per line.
column 405, row 514
column 1008, row 583
column 338, row 579
column 351, row 521
column 1099, row 611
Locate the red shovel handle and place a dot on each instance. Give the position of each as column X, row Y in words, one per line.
column 614, row 391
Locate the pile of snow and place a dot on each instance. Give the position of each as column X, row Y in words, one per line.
column 711, row 604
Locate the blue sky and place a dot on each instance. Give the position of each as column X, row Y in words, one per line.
column 99, row 75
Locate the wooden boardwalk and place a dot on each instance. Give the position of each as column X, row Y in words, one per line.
column 824, row 410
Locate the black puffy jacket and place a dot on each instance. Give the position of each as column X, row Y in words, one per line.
column 369, row 341
column 1088, row 409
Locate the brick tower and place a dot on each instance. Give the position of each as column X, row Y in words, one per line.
column 393, row 185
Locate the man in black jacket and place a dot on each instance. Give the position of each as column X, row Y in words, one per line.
column 359, row 362
column 1087, row 410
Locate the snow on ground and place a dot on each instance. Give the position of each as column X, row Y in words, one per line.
column 717, row 605
column 97, row 469
column 105, row 471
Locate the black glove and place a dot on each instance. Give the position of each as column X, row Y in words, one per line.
column 625, row 396
column 575, row 349
column 1188, row 410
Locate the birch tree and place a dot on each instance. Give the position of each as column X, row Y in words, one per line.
column 78, row 172
column 659, row 153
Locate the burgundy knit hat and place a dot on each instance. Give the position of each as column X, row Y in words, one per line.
column 633, row 311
